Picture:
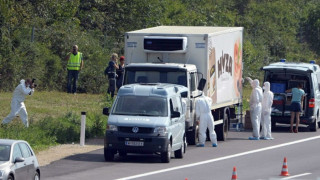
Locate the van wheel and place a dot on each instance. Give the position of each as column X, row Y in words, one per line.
column 10, row 177
column 273, row 125
column 108, row 155
column 179, row 153
column 222, row 129
column 36, row 176
column 166, row 156
column 313, row 126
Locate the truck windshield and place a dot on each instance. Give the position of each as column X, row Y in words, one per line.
column 172, row 76
column 141, row 106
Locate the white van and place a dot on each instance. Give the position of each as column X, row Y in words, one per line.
column 146, row 118
column 286, row 75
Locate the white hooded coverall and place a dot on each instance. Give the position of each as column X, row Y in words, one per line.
column 255, row 107
column 267, row 101
column 17, row 103
column 203, row 112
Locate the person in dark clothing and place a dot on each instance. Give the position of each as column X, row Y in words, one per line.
column 120, row 72
column 112, row 67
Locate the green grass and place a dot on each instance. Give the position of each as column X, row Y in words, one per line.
column 55, row 104
column 55, row 118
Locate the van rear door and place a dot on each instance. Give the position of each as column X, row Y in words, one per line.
column 282, row 79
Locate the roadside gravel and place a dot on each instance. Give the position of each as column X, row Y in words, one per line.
column 61, row 151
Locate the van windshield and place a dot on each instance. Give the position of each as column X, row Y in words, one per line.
column 159, row 75
column 141, row 106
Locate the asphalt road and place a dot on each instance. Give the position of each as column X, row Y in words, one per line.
column 253, row 160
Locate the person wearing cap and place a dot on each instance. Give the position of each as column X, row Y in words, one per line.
column 112, row 67
column 120, row 72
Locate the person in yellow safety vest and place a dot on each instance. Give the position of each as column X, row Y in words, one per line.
column 74, row 66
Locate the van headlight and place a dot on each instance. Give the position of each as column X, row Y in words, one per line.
column 160, row 130
column 112, row 127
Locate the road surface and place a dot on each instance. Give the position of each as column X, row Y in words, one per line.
column 253, row 160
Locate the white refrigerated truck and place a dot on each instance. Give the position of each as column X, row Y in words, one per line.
column 191, row 55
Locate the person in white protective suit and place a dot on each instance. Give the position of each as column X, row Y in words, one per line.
column 255, row 108
column 203, row 112
column 267, row 101
column 25, row 88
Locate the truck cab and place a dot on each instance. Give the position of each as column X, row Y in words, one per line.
column 287, row 75
column 179, row 74
column 146, row 118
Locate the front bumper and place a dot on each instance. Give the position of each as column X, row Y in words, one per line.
column 152, row 143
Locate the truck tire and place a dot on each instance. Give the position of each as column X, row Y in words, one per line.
column 166, row 156
column 108, row 155
column 222, row 129
column 192, row 136
column 179, row 153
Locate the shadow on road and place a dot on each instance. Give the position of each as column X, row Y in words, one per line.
column 97, row 156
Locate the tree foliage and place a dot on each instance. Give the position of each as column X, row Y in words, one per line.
column 36, row 35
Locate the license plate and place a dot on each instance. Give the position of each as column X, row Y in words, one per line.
column 133, row 143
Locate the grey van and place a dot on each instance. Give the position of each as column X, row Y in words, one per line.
column 146, row 118
column 284, row 75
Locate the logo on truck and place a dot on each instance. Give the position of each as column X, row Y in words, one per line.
column 225, row 64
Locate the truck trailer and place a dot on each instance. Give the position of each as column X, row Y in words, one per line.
column 204, row 59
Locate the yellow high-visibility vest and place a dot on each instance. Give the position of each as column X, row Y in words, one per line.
column 74, row 61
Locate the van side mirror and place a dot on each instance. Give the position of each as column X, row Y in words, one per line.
column 175, row 114
column 202, row 83
column 19, row 159
column 105, row 111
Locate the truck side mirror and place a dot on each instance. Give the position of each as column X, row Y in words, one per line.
column 202, row 83
column 105, row 111
column 175, row 114
column 184, row 94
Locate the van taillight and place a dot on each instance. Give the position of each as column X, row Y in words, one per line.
column 311, row 103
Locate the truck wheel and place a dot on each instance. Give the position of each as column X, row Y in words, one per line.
column 179, row 153
column 166, row 156
column 192, row 136
column 222, row 129
column 108, row 154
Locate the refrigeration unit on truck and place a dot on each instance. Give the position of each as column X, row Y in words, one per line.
column 204, row 59
column 287, row 75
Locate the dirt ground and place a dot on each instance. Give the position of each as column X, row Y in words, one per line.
column 61, row 151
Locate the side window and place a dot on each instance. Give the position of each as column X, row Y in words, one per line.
column 16, row 152
column 192, row 82
column 25, row 150
column 176, row 104
column 318, row 80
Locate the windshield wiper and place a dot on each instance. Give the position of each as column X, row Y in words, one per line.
column 141, row 114
column 120, row 114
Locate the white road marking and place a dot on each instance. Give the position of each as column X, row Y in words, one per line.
column 220, row 159
column 299, row 175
